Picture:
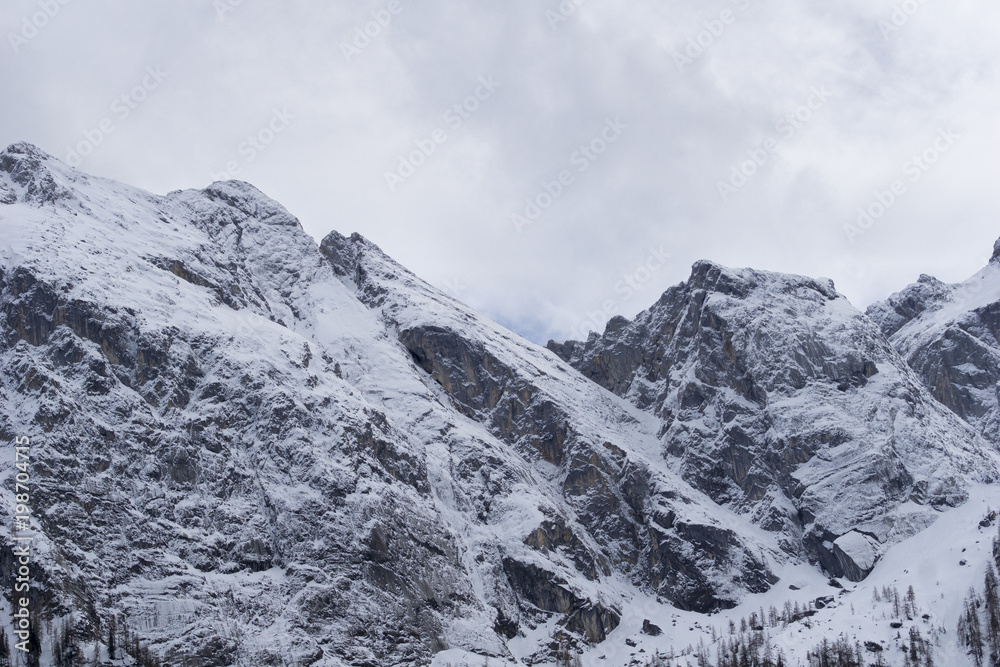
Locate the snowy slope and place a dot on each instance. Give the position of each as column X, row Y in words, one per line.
column 253, row 450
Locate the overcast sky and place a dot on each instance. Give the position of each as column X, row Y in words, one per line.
column 647, row 134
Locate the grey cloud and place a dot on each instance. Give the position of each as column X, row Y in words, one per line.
column 658, row 186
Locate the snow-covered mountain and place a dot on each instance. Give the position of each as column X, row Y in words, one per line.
column 250, row 449
column 950, row 335
column 780, row 400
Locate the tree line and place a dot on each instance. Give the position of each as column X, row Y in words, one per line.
column 979, row 624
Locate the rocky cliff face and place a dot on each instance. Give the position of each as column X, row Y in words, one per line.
column 775, row 396
column 201, row 469
column 258, row 450
column 950, row 335
column 254, row 450
column 599, row 453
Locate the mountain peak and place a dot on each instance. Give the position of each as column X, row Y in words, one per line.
column 250, row 201
column 344, row 252
column 28, row 167
column 713, row 277
column 27, row 149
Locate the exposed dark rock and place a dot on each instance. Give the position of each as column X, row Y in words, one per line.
column 651, row 629
column 26, row 166
column 548, row 592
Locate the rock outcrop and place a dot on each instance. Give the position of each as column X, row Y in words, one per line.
column 950, row 336
column 773, row 396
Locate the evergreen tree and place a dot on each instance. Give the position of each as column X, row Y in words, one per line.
column 970, row 633
column 4, row 649
column 34, row 640
column 996, row 548
column 916, row 646
column 112, row 638
column 992, row 598
column 65, row 643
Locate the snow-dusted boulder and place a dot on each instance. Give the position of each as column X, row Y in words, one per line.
column 856, row 554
